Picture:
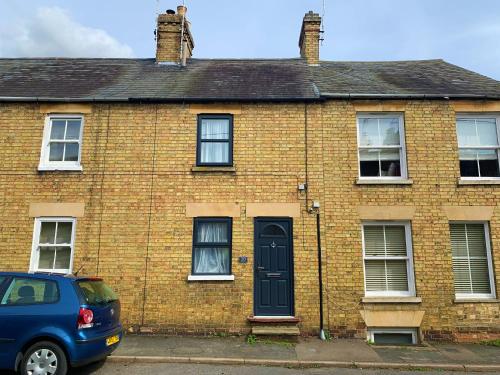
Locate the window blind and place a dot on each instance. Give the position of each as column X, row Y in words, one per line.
column 470, row 259
column 386, row 258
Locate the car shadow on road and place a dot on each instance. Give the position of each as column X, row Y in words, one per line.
column 84, row 370
column 87, row 370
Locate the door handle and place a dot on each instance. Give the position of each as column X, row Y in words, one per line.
column 260, row 268
column 273, row 274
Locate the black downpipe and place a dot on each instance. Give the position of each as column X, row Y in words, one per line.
column 320, row 276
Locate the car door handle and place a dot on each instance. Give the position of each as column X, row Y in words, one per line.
column 260, row 268
column 273, row 274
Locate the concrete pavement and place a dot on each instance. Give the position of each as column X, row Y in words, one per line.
column 308, row 352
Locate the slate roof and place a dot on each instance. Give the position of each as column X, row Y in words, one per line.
column 424, row 78
column 56, row 79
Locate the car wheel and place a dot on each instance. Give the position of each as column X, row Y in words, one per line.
column 44, row 358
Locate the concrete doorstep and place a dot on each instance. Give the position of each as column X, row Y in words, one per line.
column 307, row 353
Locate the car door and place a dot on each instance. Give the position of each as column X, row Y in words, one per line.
column 4, row 341
column 26, row 305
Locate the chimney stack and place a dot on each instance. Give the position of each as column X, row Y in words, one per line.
column 174, row 42
column 310, row 38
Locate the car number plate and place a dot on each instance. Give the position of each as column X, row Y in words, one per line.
column 112, row 340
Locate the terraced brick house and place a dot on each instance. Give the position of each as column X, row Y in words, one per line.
column 202, row 189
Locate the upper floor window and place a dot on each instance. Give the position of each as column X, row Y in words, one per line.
column 472, row 265
column 478, row 144
column 62, row 139
column 388, row 259
column 215, row 140
column 381, row 146
column 53, row 243
column 212, row 246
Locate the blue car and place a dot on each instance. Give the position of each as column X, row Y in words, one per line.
column 51, row 322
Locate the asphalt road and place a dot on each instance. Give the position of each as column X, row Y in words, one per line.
column 192, row 369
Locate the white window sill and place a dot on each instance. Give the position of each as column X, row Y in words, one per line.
column 46, row 168
column 475, row 299
column 210, row 277
column 52, row 272
column 380, row 181
column 391, row 300
column 479, row 181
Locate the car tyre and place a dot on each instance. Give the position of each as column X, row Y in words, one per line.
column 45, row 356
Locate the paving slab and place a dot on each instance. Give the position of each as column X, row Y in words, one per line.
column 488, row 354
column 458, row 353
column 310, row 349
column 406, row 354
column 211, row 347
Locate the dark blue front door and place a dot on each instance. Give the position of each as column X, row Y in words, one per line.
column 273, row 280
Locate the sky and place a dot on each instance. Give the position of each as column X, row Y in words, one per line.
column 462, row 32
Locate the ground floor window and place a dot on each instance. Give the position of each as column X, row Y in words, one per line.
column 472, row 266
column 388, row 259
column 212, row 246
column 53, row 244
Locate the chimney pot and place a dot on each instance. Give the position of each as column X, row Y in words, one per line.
column 181, row 10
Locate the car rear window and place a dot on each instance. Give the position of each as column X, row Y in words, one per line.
column 96, row 292
column 25, row 291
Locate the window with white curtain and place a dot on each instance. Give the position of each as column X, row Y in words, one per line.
column 212, row 246
column 62, row 139
column 215, row 140
column 479, row 146
column 381, row 146
column 53, row 243
column 472, row 266
column 388, row 261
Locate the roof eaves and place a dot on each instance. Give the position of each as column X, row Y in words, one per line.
column 55, row 99
column 156, row 100
column 227, row 99
column 330, row 95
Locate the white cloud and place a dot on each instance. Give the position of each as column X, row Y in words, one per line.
column 51, row 32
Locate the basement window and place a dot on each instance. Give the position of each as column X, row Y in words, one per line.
column 61, row 147
column 388, row 336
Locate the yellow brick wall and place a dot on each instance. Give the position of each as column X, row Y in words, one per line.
column 137, row 179
column 432, row 155
column 135, row 183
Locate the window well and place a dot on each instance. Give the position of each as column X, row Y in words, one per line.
column 393, row 337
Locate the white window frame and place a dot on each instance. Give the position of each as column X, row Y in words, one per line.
column 45, row 164
column 401, row 147
column 373, row 331
column 469, row 116
column 35, row 253
column 409, row 260
column 492, row 295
